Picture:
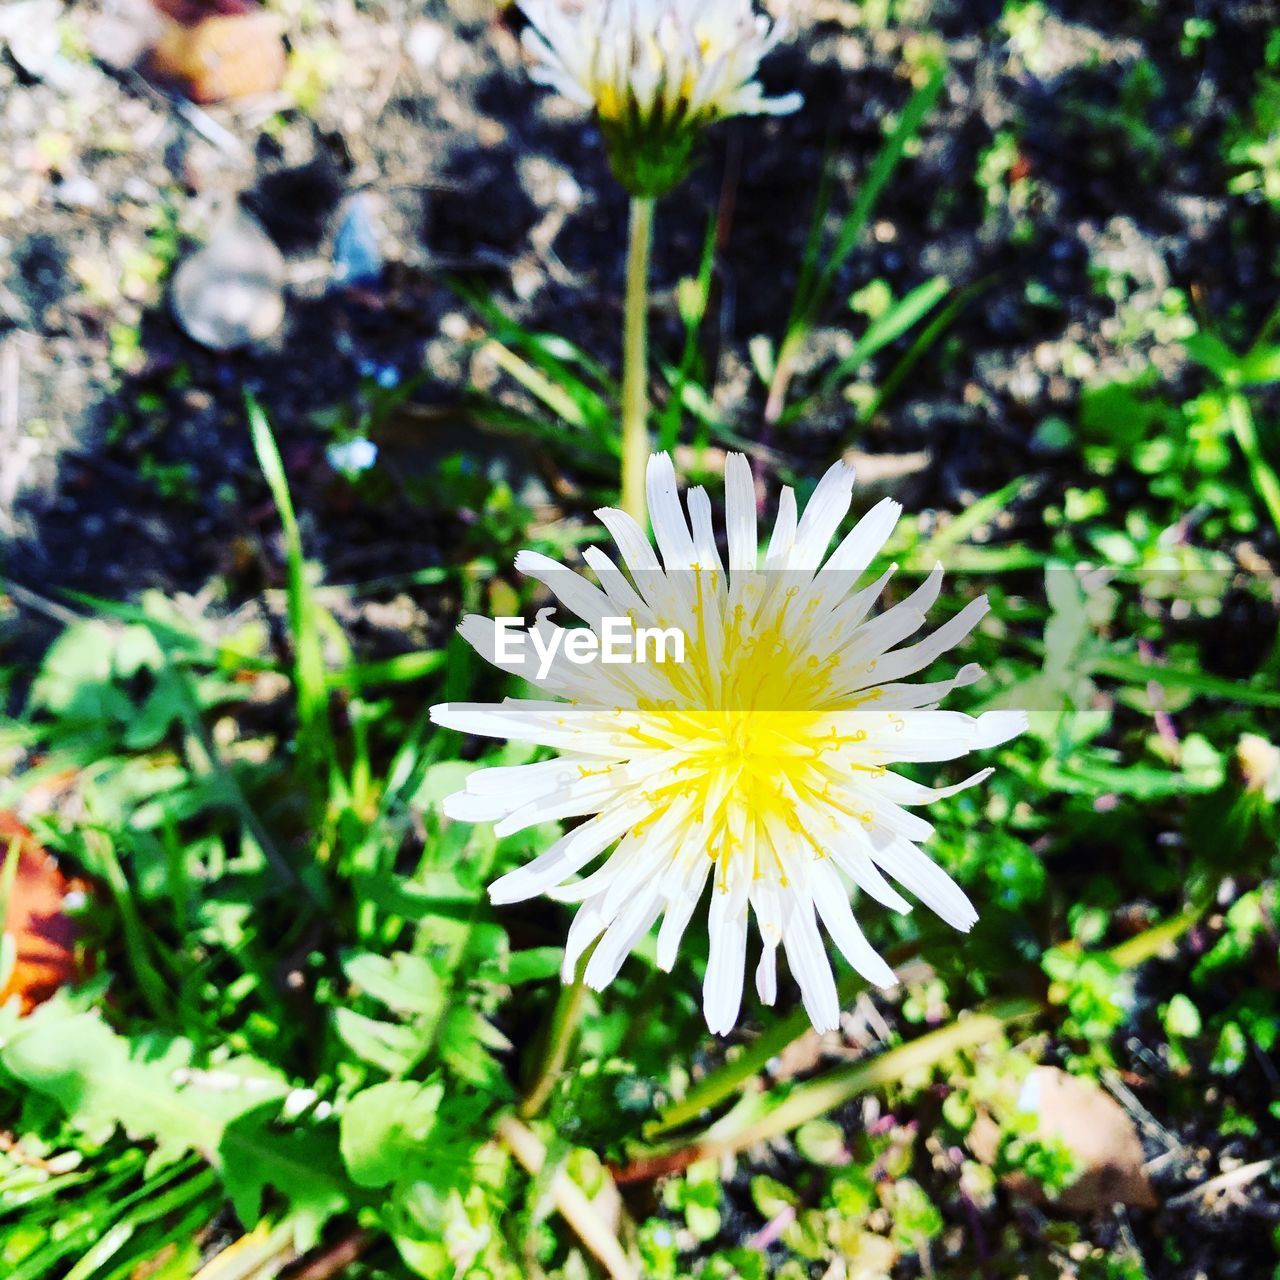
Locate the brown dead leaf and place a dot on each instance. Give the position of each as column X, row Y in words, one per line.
column 190, row 12
column 238, row 55
column 37, row 918
column 1097, row 1131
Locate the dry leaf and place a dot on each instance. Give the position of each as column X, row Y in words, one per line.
column 1097, row 1131
column 37, row 918
column 190, row 12
column 227, row 56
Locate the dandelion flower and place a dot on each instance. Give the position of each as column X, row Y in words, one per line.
column 760, row 763
column 655, row 72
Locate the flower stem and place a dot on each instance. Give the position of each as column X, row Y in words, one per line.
column 735, row 1074
column 635, row 364
column 785, row 1111
column 559, row 1040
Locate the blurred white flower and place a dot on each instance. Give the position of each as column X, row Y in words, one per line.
column 656, row 72
column 760, row 762
column 352, row 456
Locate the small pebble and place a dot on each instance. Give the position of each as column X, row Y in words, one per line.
column 78, row 192
column 357, row 257
column 424, row 42
column 230, row 293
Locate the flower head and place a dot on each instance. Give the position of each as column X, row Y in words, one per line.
column 656, row 73
column 759, row 763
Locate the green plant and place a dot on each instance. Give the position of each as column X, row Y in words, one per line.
column 1252, row 143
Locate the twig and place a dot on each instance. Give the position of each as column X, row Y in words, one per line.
column 336, row 1258
column 1129, row 1100
column 772, row 1230
column 571, row 1202
column 1224, row 1182
column 256, row 1255
column 39, row 604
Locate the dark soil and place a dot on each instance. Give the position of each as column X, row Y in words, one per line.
column 483, row 176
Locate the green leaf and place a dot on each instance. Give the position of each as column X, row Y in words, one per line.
column 770, row 1196
column 1181, row 1017
column 532, row 965
column 1261, row 367
column 315, row 740
column 405, row 983
column 302, row 1165
column 148, row 1087
column 103, row 1080
column 1210, row 351
column 389, row 1046
column 384, row 1129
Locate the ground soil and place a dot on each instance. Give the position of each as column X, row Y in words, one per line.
column 480, row 175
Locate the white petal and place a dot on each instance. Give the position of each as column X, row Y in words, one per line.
column 907, row 696
column 863, row 542
column 906, row 662
column 837, row 915
column 704, row 537
column 740, row 513
column 767, row 974
column 922, row 876
column 670, row 529
column 620, row 939
column 637, row 551
column 822, row 516
column 579, row 596
column 906, row 791
column 784, row 532
column 679, row 911
column 566, row 857
column 587, row 926
column 624, row 599
column 464, row 807
column 726, row 959
column 996, row 727
column 522, row 781
column 809, row 966
column 894, row 625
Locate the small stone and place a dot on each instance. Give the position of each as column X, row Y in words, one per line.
column 424, row 42
column 230, row 293
column 456, row 326
column 357, row 255
column 78, row 192
column 122, row 32
column 568, row 193
column 30, row 29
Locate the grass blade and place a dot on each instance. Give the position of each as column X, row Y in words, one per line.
column 315, row 741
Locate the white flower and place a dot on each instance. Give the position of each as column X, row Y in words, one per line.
column 759, row 763
column 655, row 72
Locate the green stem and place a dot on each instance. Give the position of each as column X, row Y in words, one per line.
column 635, row 364
column 808, row 1101
column 1264, row 478
column 783, row 371
column 559, row 1040
column 733, row 1076
column 1151, row 942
